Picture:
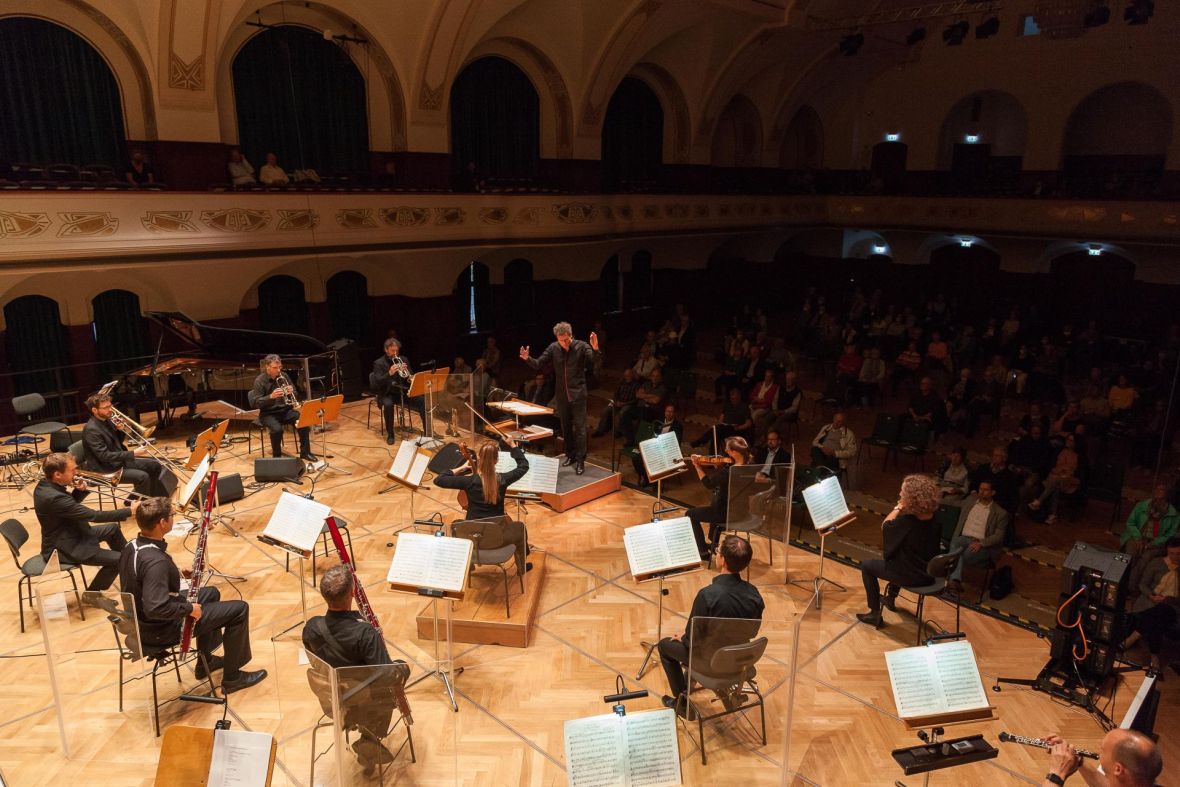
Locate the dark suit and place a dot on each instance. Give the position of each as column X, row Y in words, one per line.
column 106, row 452
column 909, row 543
column 274, row 414
column 569, row 374
column 390, row 388
column 65, row 526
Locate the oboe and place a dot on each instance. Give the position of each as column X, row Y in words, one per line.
column 194, row 582
column 1041, row 744
column 362, row 601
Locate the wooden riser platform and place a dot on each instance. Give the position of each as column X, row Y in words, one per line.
column 574, row 490
column 479, row 618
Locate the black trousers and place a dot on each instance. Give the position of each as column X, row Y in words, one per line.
column 112, row 535
column 674, row 660
column 224, row 622
column 1153, row 622
column 871, row 571
column 573, row 427
column 275, row 422
column 701, row 514
column 820, row 459
column 144, row 474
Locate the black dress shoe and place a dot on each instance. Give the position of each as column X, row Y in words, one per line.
column 873, row 619
column 389, row 439
column 244, row 681
column 569, row 460
column 679, row 704
column 890, row 603
column 580, row 467
column 309, row 457
column 215, row 663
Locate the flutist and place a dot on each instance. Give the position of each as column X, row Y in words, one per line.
column 274, row 396
column 106, row 451
column 570, row 359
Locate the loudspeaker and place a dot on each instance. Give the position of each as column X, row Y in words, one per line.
column 446, row 458
column 283, row 468
column 229, row 488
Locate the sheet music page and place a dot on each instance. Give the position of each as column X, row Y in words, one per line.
column 825, row 502
column 959, row 674
column 403, row 459
column 418, row 468
column 652, row 751
column 541, row 476
column 681, row 543
column 661, row 454
column 426, row 561
column 594, row 752
column 917, row 690
column 240, row 759
column 505, row 462
column 647, row 552
column 194, row 482
column 297, row 521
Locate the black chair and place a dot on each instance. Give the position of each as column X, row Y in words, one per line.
column 15, row 536
column 1106, row 485
column 24, row 407
column 491, row 548
column 730, row 674
column 913, row 441
column 886, row 431
column 947, row 518
column 939, row 568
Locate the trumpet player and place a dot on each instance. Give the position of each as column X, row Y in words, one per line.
column 389, row 381
column 106, row 450
column 274, row 396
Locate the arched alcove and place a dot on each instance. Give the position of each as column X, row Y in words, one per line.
column 737, row 137
column 282, row 305
column 610, row 286
column 495, row 122
column 349, row 306
column 995, row 119
column 36, row 342
column 803, row 142
column 519, row 300
column 473, row 299
column 638, row 286
column 1118, row 132
column 119, row 332
column 632, row 134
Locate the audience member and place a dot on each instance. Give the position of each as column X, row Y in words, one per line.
column 139, row 171
column 953, row 476
column 1122, row 396
column 925, row 406
column 1152, row 523
column 789, row 399
column 646, row 363
column 735, row 420
column 774, row 453
column 980, row 531
column 649, row 404
column 1033, row 416
column 764, row 402
column 271, row 173
column 624, row 400
column 1005, row 487
column 1155, row 611
column 669, row 423
column 241, row 173
column 491, row 357
column 1062, row 479
column 833, row 445
column 731, row 372
column 870, row 381
column 753, row 369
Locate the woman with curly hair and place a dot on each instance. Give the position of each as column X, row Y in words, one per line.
column 911, row 538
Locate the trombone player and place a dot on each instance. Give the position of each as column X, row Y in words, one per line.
column 105, row 450
column 274, row 396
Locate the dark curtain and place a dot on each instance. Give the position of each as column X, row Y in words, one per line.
column 518, row 290
column 608, row 286
column 118, row 331
column 282, row 305
column 632, row 134
column 473, row 298
column 495, row 121
column 348, row 306
column 36, row 339
column 303, row 99
column 59, row 101
column 638, row 287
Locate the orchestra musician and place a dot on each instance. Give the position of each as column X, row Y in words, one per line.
column 737, row 452
column 273, row 397
column 106, row 452
column 390, row 381
column 570, row 359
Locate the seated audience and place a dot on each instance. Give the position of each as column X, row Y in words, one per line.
column 1005, row 487
column 753, row 369
column 241, row 172
column 139, row 171
column 649, row 405
column 959, row 399
column 938, row 354
column 735, row 420
column 624, row 400
column 491, row 357
column 1122, row 396
column 1155, row 611
column 905, row 367
column 1095, row 409
column 833, row 445
column 538, row 390
column 645, row 364
column 870, row 381
column 1069, row 421
column 953, row 476
column 764, row 402
column 774, row 453
column 789, row 399
column 1062, row 479
column 1149, row 527
column 980, row 531
column 926, row 406
column 848, row 367
column 731, row 372
column 271, row 173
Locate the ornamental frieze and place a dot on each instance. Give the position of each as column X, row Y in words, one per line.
column 304, row 219
column 164, row 221
column 449, row 216
column 493, row 215
column 574, row 212
column 235, row 219
column 87, row 225
column 356, row 219
column 23, row 225
column 405, row 216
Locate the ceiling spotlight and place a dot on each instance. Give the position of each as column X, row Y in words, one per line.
column 1098, row 17
column 954, row 34
column 988, row 28
column 879, row 249
column 1139, row 11
column 916, row 35
column 851, row 44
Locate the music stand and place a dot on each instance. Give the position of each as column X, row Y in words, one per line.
column 425, row 384
column 187, row 753
column 317, row 412
column 207, row 443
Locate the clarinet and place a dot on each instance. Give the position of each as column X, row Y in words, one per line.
column 194, row 586
column 1040, row 744
column 362, row 601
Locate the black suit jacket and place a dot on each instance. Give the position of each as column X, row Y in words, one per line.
column 259, row 395
column 471, row 483
column 65, row 522
column 381, row 382
column 910, row 542
column 569, row 368
column 104, row 448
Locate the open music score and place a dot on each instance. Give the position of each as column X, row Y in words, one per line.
column 636, row 750
column 826, row 504
column 661, row 456
column 520, row 408
column 937, row 684
column 295, row 524
column 527, row 434
column 658, row 549
column 409, row 464
column 189, row 490
column 541, row 477
column 430, row 565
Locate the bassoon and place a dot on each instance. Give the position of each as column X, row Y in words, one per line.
column 362, row 602
column 194, row 584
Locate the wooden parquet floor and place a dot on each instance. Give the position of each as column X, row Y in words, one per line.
column 512, row 702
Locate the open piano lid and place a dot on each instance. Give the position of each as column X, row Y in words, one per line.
column 235, row 342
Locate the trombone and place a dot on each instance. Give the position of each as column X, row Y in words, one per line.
column 104, row 482
column 139, row 435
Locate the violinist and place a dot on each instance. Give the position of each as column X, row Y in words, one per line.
column 737, row 452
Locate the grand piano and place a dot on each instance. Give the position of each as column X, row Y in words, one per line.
column 210, row 362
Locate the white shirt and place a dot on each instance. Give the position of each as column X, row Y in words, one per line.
column 976, row 525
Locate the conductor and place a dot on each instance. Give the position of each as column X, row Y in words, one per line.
column 570, row 358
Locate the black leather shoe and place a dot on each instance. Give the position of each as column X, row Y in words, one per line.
column 244, row 681
column 215, row 663
column 569, row 460
column 890, row 603
column 389, row 439
column 676, row 703
column 309, row 457
column 873, row 619
column 580, row 467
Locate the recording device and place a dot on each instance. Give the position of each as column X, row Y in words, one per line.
column 947, row 754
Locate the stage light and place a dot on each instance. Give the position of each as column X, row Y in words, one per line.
column 1095, row 250
column 989, row 28
column 851, row 44
column 954, row 34
column 1139, row 11
column 892, row 137
column 916, row 35
column 1098, row 17
column 972, row 139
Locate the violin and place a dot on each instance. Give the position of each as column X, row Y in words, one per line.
column 712, row 461
column 472, row 462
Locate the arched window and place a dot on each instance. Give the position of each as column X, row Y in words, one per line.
column 638, row 287
column 36, row 340
column 118, row 330
column 473, row 296
column 610, row 286
column 348, row 306
column 1116, row 134
column 803, row 142
column 518, row 293
column 495, row 122
column 303, row 99
column 632, row 134
column 737, row 138
column 282, row 305
column 59, row 101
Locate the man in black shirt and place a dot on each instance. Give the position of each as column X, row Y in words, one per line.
column 269, row 395
column 389, row 381
column 105, row 452
column 65, row 522
column 728, row 596
column 616, row 411
column 343, row 638
column 736, row 420
column 147, row 572
column 670, row 423
column 570, row 359
column 926, row 406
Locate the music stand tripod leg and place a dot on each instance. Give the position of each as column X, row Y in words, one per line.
column 302, row 602
column 651, row 646
column 441, row 674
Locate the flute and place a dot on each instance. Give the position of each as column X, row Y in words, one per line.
column 1040, row 744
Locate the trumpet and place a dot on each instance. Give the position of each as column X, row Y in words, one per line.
column 401, row 367
column 288, row 389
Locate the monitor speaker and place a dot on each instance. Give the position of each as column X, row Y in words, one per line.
column 283, row 468
column 229, row 488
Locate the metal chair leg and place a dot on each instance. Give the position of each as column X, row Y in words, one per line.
column 77, row 595
column 921, row 623
column 20, row 599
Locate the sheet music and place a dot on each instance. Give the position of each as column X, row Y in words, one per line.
column 825, row 502
column 594, row 752
column 240, row 759
column 519, row 407
column 403, row 460
column 505, row 462
column 435, row 562
column 297, row 521
column 194, row 482
column 653, row 754
column 541, row 476
column 660, row 546
column 935, row 679
column 661, row 454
